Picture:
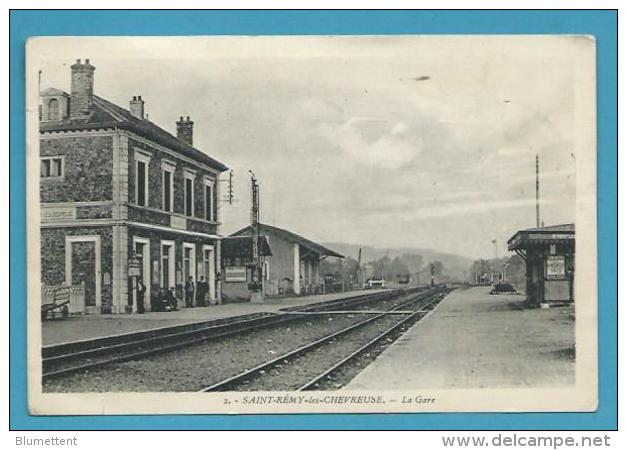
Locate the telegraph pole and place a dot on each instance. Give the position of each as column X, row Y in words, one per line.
column 537, row 191
column 257, row 279
column 230, row 195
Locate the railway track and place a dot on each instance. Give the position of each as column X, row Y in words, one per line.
column 66, row 359
column 254, row 378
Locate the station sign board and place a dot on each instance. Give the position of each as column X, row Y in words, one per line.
column 235, row 274
column 134, row 267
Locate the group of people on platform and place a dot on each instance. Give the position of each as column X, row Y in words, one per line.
column 201, row 291
column 164, row 299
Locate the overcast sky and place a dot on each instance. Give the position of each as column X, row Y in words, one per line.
column 382, row 141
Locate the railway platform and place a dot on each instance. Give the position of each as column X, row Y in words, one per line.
column 79, row 328
column 474, row 340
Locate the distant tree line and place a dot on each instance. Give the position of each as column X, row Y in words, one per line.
column 408, row 265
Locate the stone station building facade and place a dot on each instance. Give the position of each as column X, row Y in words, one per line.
column 114, row 187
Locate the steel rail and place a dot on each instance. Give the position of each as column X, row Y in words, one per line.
column 191, row 337
column 311, row 384
column 223, row 385
column 67, row 350
column 161, row 349
column 94, row 352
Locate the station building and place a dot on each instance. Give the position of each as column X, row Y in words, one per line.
column 549, row 255
column 237, row 265
column 291, row 268
column 115, row 186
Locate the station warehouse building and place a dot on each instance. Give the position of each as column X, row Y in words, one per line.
column 291, row 262
column 116, row 187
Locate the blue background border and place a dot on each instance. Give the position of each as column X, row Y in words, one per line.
column 601, row 24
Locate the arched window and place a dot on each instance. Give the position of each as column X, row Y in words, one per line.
column 53, row 109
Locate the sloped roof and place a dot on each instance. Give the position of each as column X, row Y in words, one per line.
column 109, row 115
column 563, row 228
column 243, row 246
column 564, row 233
column 291, row 237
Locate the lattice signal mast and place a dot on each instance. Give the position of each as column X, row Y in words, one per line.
column 257, row 282
column 254, row 217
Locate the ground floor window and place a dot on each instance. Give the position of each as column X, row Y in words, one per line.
column 167, row 264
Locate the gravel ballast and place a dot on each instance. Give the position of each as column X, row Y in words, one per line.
column 197, row 366
column 290, row 375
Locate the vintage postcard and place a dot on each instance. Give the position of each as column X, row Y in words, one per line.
column 311, row 224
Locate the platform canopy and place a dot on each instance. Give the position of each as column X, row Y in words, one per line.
column 534, row 238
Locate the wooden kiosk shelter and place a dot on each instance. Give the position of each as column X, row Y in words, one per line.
column 549, row 254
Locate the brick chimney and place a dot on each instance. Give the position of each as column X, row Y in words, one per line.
column 137, row 107
column 185, row 130
column 82, row 89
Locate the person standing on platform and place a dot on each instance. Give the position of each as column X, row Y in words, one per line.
column 201, row 292
column 189, row 293
column 141, row 290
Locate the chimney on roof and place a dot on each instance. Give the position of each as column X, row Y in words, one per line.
column 137, row 107
column 185, row 130
column 82, row 89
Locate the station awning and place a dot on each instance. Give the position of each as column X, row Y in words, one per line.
column 541, row 237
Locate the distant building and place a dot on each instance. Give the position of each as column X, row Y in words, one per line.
column 549, row 254
column 115, row 185
column 294, row 266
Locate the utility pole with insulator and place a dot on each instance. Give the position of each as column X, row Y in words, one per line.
column 230, row 191
column 537, row 191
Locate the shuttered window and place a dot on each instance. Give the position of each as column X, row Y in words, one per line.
column 141, row 183
column 52, row 167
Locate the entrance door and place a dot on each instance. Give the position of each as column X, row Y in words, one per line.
column 141, row 246
column 189, row 269
column 82, row 267
column 209, row 269
column 167, row 264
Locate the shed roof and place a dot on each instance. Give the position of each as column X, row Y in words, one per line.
column 106, row 114
column 553, row 234
column 290, row 237
column 243, row 246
